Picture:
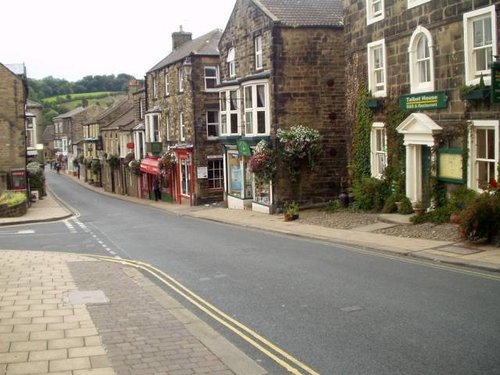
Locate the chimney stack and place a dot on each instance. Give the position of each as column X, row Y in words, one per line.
column 180, row 37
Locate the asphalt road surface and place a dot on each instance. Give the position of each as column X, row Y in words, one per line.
column 337, row 309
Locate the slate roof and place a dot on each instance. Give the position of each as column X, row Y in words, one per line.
column 295, row 13
column 71, row 113
column 48, row 133
column 205, row 45
column 125, row 120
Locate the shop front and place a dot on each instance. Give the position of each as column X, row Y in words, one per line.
column 151, row 169
column 183, row 175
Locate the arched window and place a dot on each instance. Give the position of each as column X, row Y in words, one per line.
column 421, row 61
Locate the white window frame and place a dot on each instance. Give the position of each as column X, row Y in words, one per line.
column 209, row 78
column 372, row 15
column 372, row 69
column 167, row 127
column 378, row 157
column 252, row 110
column 215, row 125
column 472, row 77
column 474, row 160
column 230, row 112
column 140, row 144
column 155, row 87
column 180, row 76
column 416, row 85
column 167, row 84
column 182, row 127
column 124, row 140
column 153, row 135
column 416, row 3
column 185, row 176
column 259, row 63
column 231, row 62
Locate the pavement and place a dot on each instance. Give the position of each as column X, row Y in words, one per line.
column 69, row 314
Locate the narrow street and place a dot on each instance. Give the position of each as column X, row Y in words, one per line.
column 335, row 308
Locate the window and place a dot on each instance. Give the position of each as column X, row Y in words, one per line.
column 155, row 87
column 484, row 153
column 153, row 133
column 167, row 127
column 141, row 108
column 215, row 174
column 256, row 110
column 124, row 140
column 212, row 120
column 231, row 62
column 211, row 77
column 374, row 11
column 415, row 3
column 376, row 68
column 480, row 44
column 230, row 117
column 421, row 61
column 181, row 79
column 378, row 150
column 167, row 85
column 139, row 145
column 185, row 176
column 182, row 126
column 258, row 52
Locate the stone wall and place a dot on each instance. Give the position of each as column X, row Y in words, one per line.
column 12, row 140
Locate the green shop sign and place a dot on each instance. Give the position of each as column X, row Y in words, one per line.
column 426, row 100
column 495, row 82
column 243, row 148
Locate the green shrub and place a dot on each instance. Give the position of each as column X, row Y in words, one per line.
column 460, row 198
column 333, row 206
column 481, row 218
column 36, row 177
column 439, row 215
column 370, row 194
column 12, row 199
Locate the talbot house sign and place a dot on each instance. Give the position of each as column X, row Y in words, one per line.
column 426, row 100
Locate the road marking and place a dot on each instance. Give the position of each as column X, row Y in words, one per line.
column 26, row 231
column 284, row 359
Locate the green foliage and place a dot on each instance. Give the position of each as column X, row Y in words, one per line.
column 262, row 163
column 113, row 161
column 439, row 215
column 370, row 194
column 95, row 166
column 291, row 208
column 461, row 197
column 390, row 203
column 36, row 177
column 481, row 219
column 333, row 206
column 361, row 138
column 12, row 199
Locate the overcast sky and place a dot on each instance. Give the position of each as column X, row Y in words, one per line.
column 71, row 39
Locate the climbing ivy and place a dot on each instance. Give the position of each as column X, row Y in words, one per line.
column 361, row 138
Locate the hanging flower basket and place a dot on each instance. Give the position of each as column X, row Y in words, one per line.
column 168, row 162
column 262, row 162
column 135, row 167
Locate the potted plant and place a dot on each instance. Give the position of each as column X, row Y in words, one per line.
column 419, row 208
column 291, row 211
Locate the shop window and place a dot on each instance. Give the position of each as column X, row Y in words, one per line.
column 480, row 44
column 378, row 150
column 377, row 68
column 185, row 177
column 421, row 61
column 153, row 132
column 483, row 144
column 215, row 174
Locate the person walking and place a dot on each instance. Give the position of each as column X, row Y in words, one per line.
column 157, row 189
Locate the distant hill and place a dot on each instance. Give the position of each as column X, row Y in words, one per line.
column 61, row 103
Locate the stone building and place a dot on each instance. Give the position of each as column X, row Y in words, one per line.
column 34, row 130
column 181, row 121
column 68, row 133
column 282, row 64
column 428, row 68
column 13, row 97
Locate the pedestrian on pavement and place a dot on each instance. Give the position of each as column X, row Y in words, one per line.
column 157, row 189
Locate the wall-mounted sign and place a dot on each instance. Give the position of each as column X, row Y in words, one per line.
column 202, row 172
column 450, row 165
column 495, row 82
column 130, row 145
column 243, row 148
column 426, row 100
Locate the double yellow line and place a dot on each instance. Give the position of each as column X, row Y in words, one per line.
column 284, row 359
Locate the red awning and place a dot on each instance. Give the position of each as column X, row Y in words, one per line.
column 151, row 166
